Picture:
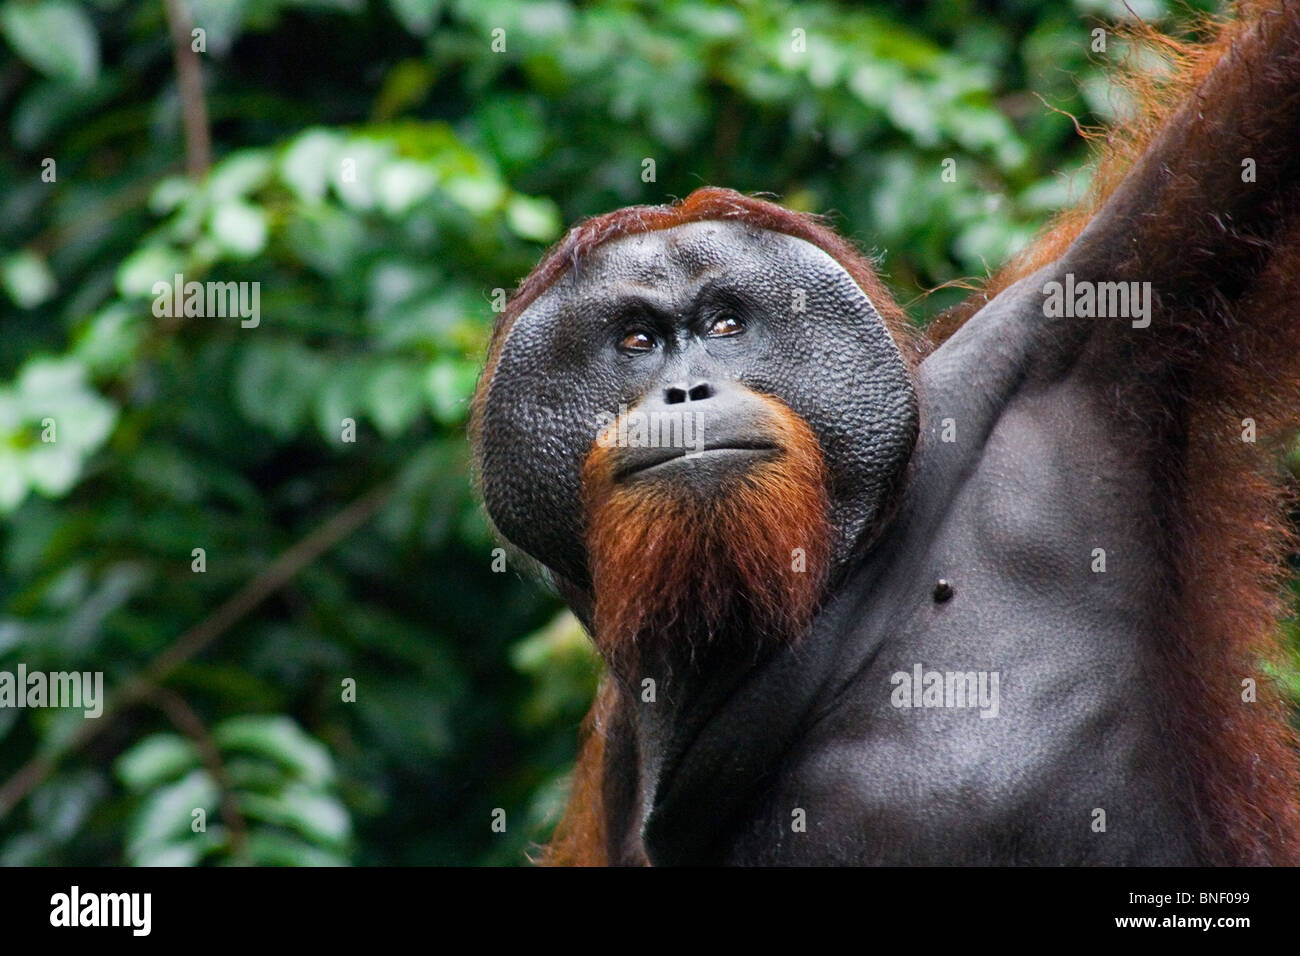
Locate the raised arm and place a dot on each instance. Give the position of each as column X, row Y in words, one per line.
column 1208, row 213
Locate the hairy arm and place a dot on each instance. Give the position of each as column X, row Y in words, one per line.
column 1205, row 386
column 1207, row 213
column 599, row 826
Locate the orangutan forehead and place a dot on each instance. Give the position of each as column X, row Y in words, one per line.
column 694, row 252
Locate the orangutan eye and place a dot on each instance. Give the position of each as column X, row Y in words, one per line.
column 725, row 325
column 637, row 342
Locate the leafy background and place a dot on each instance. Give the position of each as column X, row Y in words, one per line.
column 371, row 560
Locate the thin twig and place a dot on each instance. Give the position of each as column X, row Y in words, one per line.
column 189, row 80
column 191, row 724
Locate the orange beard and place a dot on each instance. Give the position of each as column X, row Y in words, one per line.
column 676, row 571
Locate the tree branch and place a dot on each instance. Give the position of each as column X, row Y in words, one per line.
column 184, row 718
column 189, row 80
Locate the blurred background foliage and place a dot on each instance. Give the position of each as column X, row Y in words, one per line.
column 382, row 170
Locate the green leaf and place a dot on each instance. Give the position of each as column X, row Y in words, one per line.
column 535, row 219
column 13, row 482
column 267, row 848
column 164, row 854
column 418, row 16
column 326, row 238
column 403, row 183
column 240, row 228
column 281, row 740
column 406, row 86
column 27, row 279
column 63, row 803
column 51, row 396
column 320, row 818
column 394, row 398
column 449, row 385
column 306, row 166
column 52, row 470
column 155, row 760
column 275, row 384
column 223, row 20
column 356, row 169
column 148, row 265
column 167, row 812
column 55, row 36
column 409, row 714
column 239, row 174
column 563, row 666
column 170, row 193
column 109, row 341
column 47, row 107
column 476, row 194
column 57, row 388
column 343, row 395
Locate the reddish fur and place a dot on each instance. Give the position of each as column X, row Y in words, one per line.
column 1156, row 97
column 1219, row 503
column 723, row 564
column 1228, row 512
column 673, row 567
column 580, row 836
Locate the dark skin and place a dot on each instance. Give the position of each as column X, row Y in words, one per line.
column 982, row 512
column 999, row 465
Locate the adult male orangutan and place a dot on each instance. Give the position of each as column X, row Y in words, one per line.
column 999, row 593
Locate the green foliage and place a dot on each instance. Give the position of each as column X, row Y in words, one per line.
column 55, row 36
column 283, row 782
column 380, row 170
